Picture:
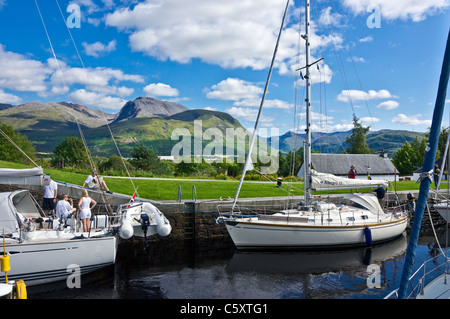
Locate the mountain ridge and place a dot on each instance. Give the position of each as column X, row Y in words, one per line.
column 152, row 121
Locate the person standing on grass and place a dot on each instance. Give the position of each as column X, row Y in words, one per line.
column 84, row 205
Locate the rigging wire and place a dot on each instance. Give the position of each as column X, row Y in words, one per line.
column 62, row 77
column 16, row 146
column 103, row 113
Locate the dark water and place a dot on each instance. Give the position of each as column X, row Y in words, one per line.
column 217, row 270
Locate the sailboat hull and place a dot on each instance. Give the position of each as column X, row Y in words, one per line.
column 47, row 261
column 254, row 235
column 444, row 210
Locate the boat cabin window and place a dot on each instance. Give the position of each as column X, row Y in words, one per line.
column 351, row 219
column 349, row 202
column 364, row 217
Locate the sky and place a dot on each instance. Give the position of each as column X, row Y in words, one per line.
column 381, row 58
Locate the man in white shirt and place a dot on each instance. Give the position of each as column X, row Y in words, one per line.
column 64, row 207
column 94, row 181
column 49, row 196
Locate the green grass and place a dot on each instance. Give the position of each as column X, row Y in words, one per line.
column 205, row 189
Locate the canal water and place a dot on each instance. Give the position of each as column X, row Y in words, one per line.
column 218, row 271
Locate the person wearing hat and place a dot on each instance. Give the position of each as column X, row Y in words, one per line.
column 49, row 196
column 94, row 182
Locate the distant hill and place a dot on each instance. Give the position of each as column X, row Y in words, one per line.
column 153, row 121
column 388, row 140
column 5, row 106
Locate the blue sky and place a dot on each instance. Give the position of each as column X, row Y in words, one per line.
column 215, row 54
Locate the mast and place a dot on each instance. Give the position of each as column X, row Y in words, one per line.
column 307, row 157
column 428, row 164
column 248, row 160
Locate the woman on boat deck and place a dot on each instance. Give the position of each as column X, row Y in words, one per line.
column 84, row 205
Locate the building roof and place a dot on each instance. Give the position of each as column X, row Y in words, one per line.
column 339, row 164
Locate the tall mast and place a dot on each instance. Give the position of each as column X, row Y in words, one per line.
column 307, row 159
column 248, row 160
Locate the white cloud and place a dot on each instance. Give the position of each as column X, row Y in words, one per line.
column 256, row 102
column 160, row 89
column 248, row 114
column 356, row 59
column 388, row 105
column 9, row 98
column 328, row 18
column 410, row 120
column 357, row 95
column 232, row 34
column 366, row 39
column 94, row 99
column 368, row 120
column 98, row 49
column 245, row 94
column 233, row 89
column 20, row 73
column 401, row 9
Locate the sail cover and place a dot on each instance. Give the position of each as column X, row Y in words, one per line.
column 27, row 176
column 14, row 207
column 322, row 181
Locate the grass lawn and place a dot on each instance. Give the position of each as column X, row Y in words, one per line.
column 206, row 189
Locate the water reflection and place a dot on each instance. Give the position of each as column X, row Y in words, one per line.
column 216, row 270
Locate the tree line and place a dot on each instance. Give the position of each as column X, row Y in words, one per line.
column 71, row 153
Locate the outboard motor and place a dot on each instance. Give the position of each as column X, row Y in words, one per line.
column 145, row 222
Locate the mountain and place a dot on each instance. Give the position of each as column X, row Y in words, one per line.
column 148, row 107
column 46, row 124
column 388, row 140
column 157, row 132
column 5, row 106
column 155, row 123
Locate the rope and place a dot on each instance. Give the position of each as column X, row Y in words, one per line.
column 12, row 142
column 62, row 77
column 103, row 113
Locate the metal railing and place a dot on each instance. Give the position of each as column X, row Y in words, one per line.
column 420, row 278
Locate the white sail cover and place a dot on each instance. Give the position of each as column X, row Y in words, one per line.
column 27, row 176
column 14, row 208
column 321, row 181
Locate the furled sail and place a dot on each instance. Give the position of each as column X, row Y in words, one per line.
column 322, row 181
column 27, row 176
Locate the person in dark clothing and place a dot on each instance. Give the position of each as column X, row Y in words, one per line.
column 380, row 191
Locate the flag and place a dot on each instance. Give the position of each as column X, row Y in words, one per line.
column 133, row 198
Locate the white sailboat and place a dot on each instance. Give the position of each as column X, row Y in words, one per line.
column 357, row 220
column 41, row 255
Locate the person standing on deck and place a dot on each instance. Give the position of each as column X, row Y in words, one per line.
column 84, row 205
column 49, row 196
column 352, row 174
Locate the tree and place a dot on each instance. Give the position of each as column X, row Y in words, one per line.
column 8, row 152
column 70, row 151
column 357, row 140
column 147, row 159
column 403, row 158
